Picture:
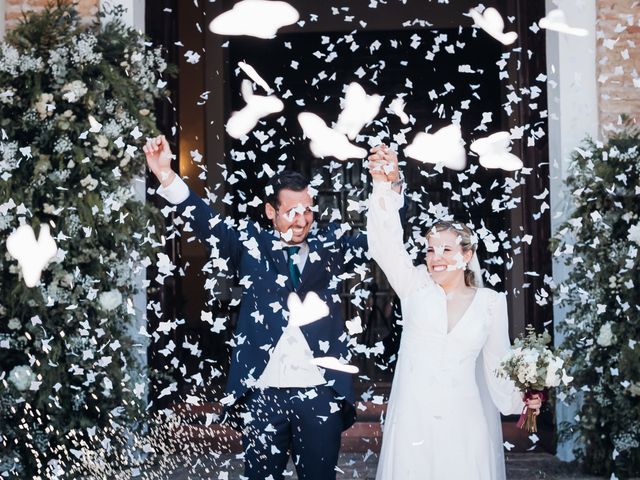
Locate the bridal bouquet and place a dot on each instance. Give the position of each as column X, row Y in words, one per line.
column 534, row 368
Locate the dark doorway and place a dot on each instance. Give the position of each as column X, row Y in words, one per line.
column 432, row 55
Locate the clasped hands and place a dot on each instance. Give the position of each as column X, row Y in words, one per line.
column 383, row 164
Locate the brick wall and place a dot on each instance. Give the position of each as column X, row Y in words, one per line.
column 618, row 61
column 14, row 9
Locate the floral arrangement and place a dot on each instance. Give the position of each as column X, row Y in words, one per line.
column 75, row 105
column 600, row 243
column 534, row 368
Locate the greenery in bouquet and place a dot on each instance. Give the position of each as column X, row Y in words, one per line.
column 68, row 356
column 599, row 242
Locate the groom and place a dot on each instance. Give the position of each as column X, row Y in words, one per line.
column 286, row 403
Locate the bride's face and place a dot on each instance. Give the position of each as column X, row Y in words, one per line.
column 446, row 260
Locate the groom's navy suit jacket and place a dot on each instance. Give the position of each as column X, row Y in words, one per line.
column 249, row 251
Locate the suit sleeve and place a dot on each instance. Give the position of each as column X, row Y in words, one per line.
column 216, row 232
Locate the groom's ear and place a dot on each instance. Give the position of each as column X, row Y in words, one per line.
column 269, row 211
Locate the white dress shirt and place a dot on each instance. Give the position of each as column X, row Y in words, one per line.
column 289, row 364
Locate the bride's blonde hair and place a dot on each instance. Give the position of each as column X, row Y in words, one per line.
column 468, row 243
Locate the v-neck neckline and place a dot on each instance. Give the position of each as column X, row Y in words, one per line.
column 464, row 314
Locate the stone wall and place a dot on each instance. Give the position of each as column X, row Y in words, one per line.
column 14, row 9
column 618, row 61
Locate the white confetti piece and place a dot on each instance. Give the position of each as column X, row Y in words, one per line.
column 333, row 363
column 555, row 20
column 257, row 18
column 325, row 141
column 491, row 22
column 442, row 147
column 243, row 121
column 494, row 152
column 313, row 308
column 255, row 76
column 359, row 109
column 33, row 256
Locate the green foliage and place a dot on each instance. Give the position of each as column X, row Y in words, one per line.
column 67, row 357
column 600, row 242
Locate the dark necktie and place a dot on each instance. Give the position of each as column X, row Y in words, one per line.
column 294, row 271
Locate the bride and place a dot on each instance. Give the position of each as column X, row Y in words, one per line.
column 443, row 414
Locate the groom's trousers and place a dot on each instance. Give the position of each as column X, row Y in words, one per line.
column 306, row 422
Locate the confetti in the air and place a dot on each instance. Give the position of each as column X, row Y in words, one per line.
column 255, row 76
column 333, row 363
column 556, row 20
column 301, row 313
column 32, row 255
column 491, row 22
column 243, row 121
column 327, row 142
column 442, row 147
column 257, row 18
column 495, row 152
column 359, row 109
column 397, row 108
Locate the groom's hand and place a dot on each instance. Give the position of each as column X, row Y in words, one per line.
column 158, row 154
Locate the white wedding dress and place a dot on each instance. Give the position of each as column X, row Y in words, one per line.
column 443, row 419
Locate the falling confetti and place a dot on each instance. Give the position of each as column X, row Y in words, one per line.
column 32, row 255
column 257, row 18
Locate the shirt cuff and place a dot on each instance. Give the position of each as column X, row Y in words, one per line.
column 176, row 192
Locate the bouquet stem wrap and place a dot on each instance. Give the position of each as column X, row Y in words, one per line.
column 527, row 418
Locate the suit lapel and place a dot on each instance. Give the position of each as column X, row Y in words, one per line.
column 310, row 267
column 275, row 256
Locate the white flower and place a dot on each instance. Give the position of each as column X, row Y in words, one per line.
column 7, row 95
column 74, row 91
column 89, row 182
column 110, row 300
column 553, row 377
column 14, row 324
column 45, row 105
column 21, row 376
column 634, row 233
column 605, row 336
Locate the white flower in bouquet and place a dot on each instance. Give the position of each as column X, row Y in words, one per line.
column 110, row 300
column 605, row 336
column 21, row 377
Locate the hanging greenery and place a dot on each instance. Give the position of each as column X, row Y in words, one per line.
column 600, row 242
column 76, row 105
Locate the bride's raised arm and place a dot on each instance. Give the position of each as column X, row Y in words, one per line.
column 385, row 237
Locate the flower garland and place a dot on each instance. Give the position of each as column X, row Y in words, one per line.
column 600, row 243
column 75, row 108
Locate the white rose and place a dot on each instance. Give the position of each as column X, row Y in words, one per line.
column 21, row 376
column 553, row 376
column 110, row 300
column 605, row 336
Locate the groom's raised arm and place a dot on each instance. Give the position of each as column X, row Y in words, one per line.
column 211, row 228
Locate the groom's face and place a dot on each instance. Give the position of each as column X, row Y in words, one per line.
column 294, row 215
